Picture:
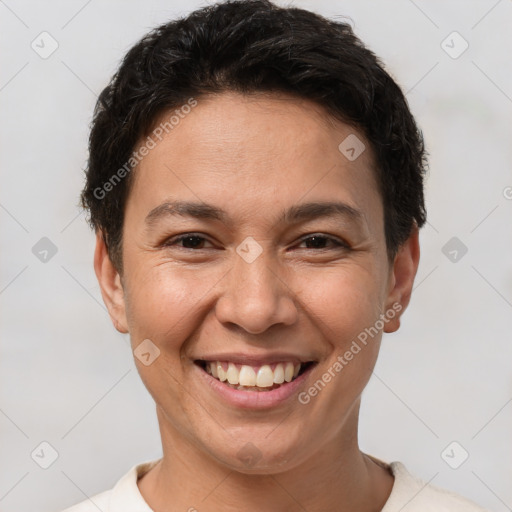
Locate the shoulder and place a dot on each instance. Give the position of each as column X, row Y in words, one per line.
column 93, row 504
column 123, row 497
column 411, row 494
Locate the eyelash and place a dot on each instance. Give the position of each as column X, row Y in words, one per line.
column 338, row 244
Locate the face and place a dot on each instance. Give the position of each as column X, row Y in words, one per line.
column 254, row 252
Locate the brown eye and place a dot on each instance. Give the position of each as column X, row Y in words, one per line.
column 188, row 241
column 322, row 242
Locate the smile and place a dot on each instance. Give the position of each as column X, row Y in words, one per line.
column 256, row 378
column 265, row 377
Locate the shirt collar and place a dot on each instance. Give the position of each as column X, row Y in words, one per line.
column 126, row 496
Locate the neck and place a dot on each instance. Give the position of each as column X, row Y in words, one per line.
column 337, row 477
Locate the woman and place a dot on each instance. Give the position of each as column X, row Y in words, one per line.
column 256, row 185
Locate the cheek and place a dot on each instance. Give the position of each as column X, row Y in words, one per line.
column 344, row 305
column 166, row 303
column 162, row 303
column 343, row 302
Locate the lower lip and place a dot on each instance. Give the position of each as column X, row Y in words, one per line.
column 255, row 399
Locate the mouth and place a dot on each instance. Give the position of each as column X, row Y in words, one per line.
column 255, row 377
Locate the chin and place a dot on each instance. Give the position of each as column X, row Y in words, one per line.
column 255, row 452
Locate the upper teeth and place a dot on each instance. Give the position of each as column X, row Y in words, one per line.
column 244, row 375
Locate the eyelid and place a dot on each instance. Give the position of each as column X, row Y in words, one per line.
column 172, row 241
column 338, row 242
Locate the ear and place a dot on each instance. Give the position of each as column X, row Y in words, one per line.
column 110, row 284
column 401, row 279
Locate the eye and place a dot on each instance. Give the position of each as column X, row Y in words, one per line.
column 315, row 241
column 318, row 241
column 189, row 241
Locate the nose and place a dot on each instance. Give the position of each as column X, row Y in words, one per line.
column 255, row 296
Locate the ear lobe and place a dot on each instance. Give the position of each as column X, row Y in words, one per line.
column 110, row 285
column 401, row 279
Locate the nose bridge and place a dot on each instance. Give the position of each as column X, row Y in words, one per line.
column 255, row 278
column 255, row 298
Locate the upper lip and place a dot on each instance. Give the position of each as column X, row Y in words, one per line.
column 254, row 359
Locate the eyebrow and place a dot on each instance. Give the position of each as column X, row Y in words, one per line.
column 297, row 213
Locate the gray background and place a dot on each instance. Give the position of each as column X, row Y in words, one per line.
column 67, row 377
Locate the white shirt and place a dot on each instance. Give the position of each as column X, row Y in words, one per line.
column 409, row 494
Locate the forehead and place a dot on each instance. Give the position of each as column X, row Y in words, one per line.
column 259, row 154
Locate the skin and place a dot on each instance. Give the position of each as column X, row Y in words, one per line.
column 255, row 156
